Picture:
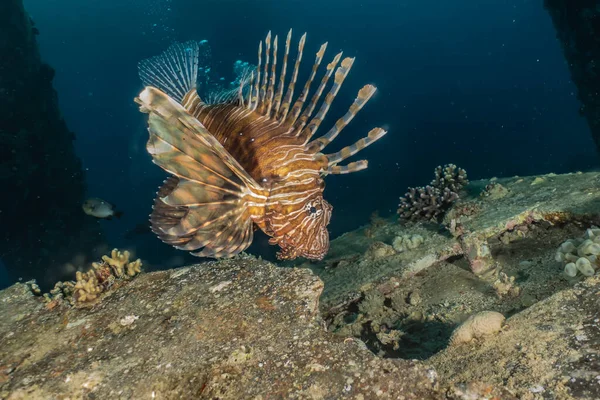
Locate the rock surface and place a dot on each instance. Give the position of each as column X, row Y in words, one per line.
column 224, row 330
column 549, row 351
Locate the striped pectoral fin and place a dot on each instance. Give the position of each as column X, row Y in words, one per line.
column 348, row 151
column 363, row 97
column 346, row 169
column 205, row 206
column 180, row 132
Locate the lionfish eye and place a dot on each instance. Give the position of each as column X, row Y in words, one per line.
column 312, row 210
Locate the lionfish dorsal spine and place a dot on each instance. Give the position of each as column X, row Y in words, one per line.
column 307, row 113
column 299, row 104
column 363, row 97
column 285, row 105
column 256, row 89
column 262, row 99
column 271, row 86
column 340, row 76
column 281, row 84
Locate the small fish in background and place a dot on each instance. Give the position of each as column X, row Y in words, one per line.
column 100, row 209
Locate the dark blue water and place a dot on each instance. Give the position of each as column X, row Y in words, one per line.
column 484, row 86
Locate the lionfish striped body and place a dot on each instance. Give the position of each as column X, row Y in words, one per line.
column 246, row 161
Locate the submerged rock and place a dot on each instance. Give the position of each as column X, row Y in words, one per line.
column 230, row 330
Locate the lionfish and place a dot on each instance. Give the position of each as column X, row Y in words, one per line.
column 249, row 160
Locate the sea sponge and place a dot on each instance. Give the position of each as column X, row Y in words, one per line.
column 478, row 325
column 581, row 255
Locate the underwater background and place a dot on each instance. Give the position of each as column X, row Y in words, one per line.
column 483, row 85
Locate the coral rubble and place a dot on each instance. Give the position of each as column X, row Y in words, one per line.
column 41, row 219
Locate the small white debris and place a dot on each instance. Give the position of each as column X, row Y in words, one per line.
column 536, row 389
column 220, row 286
column 76, row 323
column 128, row 320
column 179, row 272
column 90, row 349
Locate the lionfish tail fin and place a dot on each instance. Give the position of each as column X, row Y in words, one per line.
column 206, row 203
column 175, row 71
column 333, row 159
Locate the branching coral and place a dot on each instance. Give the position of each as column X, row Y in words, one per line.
column 103, row 275
column 119, row 262
column 431, row 202
column 450, row 177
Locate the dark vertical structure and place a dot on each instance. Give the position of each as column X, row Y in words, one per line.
column 42, row 185
column 577, row 23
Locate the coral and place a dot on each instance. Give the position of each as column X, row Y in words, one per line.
column 425, row 203
column 99, row 279
column 391, row 337
column 431, row 202
column 119, row 262
column 482, row 324
column 407, row 242
column 505, row 285
column 450, row 177
column 87, row 287
column 581, row 254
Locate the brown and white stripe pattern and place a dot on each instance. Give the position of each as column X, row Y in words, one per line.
column 256, row 162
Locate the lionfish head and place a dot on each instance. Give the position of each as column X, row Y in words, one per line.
column 305, row 230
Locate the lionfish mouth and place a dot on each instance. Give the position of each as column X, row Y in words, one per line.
column 314, row 250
